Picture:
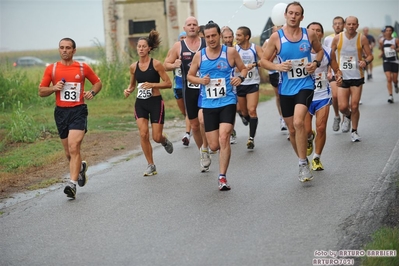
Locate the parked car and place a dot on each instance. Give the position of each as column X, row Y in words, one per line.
column 29, row 61
column 85, row 59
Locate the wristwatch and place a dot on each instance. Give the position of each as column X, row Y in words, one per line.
column 318, row 63
column 242, row 78
column 93, row 93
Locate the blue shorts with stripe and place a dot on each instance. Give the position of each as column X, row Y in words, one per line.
column 317, row 105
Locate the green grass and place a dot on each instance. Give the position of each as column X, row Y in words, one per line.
column 16, row 158
column 383, row 239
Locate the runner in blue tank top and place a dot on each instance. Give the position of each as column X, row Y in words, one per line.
column 293, row 46
column 218, row 100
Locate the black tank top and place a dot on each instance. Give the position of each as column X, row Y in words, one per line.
column 186, row 56
column 149, row 75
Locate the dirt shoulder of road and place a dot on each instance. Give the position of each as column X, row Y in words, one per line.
column 97, row 147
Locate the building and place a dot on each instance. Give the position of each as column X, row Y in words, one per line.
column 125, row 21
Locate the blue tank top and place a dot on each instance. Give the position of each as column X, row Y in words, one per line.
column 177, row 79
column 219, row 92
column 297, row 78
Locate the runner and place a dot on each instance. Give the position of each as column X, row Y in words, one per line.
column 218, row 100
column 178, row 92
column 371, row 41
column 293, row 46
column 338, row 27
column 274, row 77
column 320, row 106
column 68, row 81
column 227, row 38
column 145, row 75
column 349, row 46
column 248, row 91
column 389, row 47
column 181, row 55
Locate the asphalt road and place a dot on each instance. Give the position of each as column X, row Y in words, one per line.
column 179, row 217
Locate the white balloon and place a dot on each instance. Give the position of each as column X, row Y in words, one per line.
column 253, row 4
column 278, row 11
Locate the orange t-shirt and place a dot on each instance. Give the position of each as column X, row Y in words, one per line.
column 72, row 93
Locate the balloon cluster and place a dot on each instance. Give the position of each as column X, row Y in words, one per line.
column 253, row 4
column 278, row 10
column 278, row 17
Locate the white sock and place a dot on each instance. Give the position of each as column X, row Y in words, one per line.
column 302, row 161
column 316, row 156
column 74, row 182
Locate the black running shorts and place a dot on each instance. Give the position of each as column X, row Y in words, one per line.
column 214, row 116
column 287, row 103
column 70, row 118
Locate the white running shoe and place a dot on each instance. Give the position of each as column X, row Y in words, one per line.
column 151, row 170
column 205, row 158
column 186, row 139
column 168, row 145
column 390, row 99
column 346, row 125
column 337, row 121
column 305, row 174
column 233, row 137
column 355, row 137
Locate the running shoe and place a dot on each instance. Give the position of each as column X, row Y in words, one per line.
column 283, row 125
column 205, row 158
column 396, row 87
column 346, row 125
column 168, row 145
column 204, row 169
column 70, row 190
column 305, row 174
column 309, row 149
column 151, row 170
column 355, row 137
column 250, row 144
column 212, row 152
column 244, row 121
column 390, row 99
column 223, row 186
column 82, row 179
column 233, row 137
column 186, row 139
column 317, row 165
column 337, row 121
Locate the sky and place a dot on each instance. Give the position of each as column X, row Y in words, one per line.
column 40, row 24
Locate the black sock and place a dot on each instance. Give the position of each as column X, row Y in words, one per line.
column 253, row 124
column 353, row 130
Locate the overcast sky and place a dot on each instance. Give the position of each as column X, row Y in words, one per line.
column 37, row 25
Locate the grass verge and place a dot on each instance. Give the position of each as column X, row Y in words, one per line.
column 383, row 239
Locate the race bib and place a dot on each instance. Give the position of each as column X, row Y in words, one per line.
column 216, row 88
column 178, row 72
column 192, row 85
column 70, row 92
column 347, row 63
column 389, row 52
column 321, row 81
column 298, row 70
column 143, row 93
